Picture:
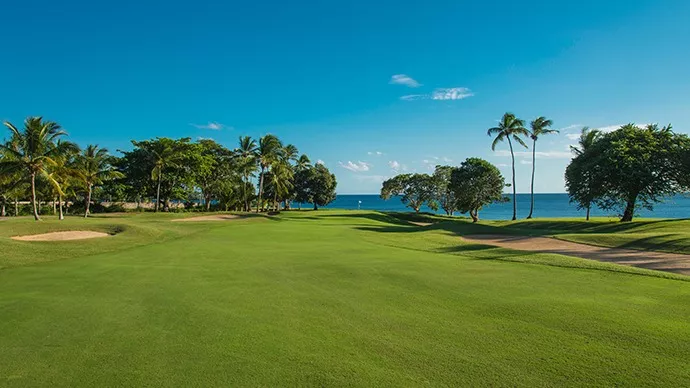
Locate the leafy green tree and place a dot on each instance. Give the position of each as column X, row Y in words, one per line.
column 634, row 167
column 539, row 127
column 93, row 168
column 323, row 185
column 476, row 183
column 414, row 190
column 580, row 174
column 269, row 152
column 214, row 165
column 510, row 127
column 445, row 195
column 31, row 150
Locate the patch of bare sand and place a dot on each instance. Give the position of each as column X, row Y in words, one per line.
column 215, row 217
column 660, row 261
column 420, row 223
column 62, row 236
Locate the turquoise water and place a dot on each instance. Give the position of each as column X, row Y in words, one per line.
column 546, row 205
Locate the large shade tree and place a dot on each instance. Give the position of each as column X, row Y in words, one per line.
column 580, row 173
column 476, row 183
column 31, row 150
column 512, row 129
column 414, row 190
column 538, row 127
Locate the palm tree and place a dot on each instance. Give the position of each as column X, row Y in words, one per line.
column 540, row 126
column 163, row 155
column 31, row 150
column 290, row 153
column 64, row 172
column 302, row 163
column 94, row 168
column 587, row 139
column 509, row 127
column 270, row 150
column 247, row 153
column 281, row 180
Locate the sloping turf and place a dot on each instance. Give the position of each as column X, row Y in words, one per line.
column 325, row 298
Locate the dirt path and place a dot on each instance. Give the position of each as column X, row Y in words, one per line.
column 661, row 261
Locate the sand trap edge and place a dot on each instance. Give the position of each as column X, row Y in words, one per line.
column 68, row 235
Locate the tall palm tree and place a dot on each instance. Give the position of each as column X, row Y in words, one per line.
column 539, row 127
column 281, row 180
column 246, row 152
column 509, row 127
column 163, row 155
column 290, row 153
column 64, row 172
column 302, row 163
column 587, row 139
column 31, row 150
column 270, row 150
column 93, row 166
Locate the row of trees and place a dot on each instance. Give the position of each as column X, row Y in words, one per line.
column 468, row 188
column 628, row 169
column 36, row 162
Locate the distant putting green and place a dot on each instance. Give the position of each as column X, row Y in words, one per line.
column 332, row 298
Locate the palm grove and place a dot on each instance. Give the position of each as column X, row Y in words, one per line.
column 619, row 171
column 37, row 164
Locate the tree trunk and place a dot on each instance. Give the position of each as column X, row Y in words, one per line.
column 61, row 216
column 261, row 189
column 158, row 193
column 512, row 156
column 208, row 202
column 3, row 213
column 475, row 215
column 587, row 213
column 315, row 207
column 88, row 201
column 33, row 196
column 534, row 162
column 54, row 207
column 244, row 193
column 629, row 210
column 16, row 207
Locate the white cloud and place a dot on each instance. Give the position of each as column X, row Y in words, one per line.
column 377, row 153
column 403, row 79
column 321, row 162
column 503, row 165
column 451, row 94
column 394, row 164
column 447, row 159
column 356, row 167
column 572, row 136
column 441, row 94
column 570, row 128
column 539, row 154
column 213, row 125
column 523, row 161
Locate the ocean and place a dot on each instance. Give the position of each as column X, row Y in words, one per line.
column 545, row 206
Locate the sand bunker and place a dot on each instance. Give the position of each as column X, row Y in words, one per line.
column 62, row 236
column 661, row 261
column 216, row 217
column 420, row 223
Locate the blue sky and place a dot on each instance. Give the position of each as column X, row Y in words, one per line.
column 335, row 78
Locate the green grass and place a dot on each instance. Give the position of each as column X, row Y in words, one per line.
column 328, row 298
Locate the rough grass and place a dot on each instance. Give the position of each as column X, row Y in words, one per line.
column 326, row 298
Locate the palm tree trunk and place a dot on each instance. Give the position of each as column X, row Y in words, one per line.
column 158, row 193
column 261, row 190
column 3, row 213
column 16, row 207
column 534, row 152
column 587, row 213
column 512, row 156
column 33, row 196
column 88, row 202
column 61, row 216
column 54, row 207
column 244, row 193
